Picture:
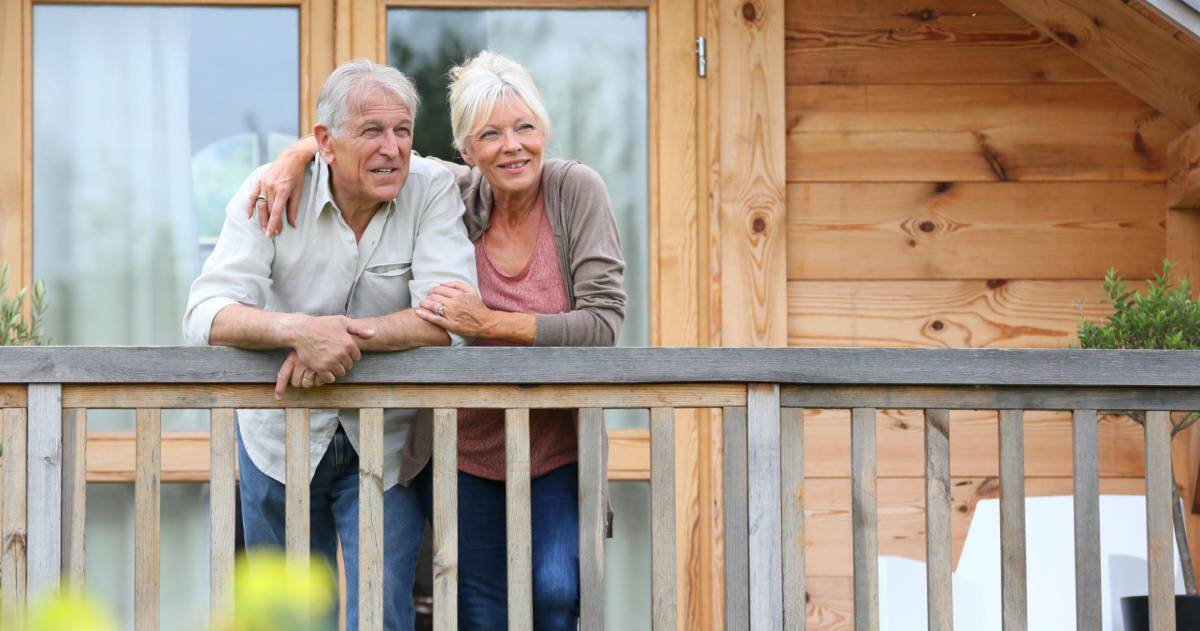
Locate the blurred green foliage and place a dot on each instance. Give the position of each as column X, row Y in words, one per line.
column 15, row 330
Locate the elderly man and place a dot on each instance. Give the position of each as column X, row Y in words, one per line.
column 377, row 228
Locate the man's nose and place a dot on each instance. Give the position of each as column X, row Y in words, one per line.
column 390, row 146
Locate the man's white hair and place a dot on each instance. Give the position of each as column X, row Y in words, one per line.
column 354, row 82
column 483, row 81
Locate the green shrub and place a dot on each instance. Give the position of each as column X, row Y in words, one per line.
column 1163, row 317
column 14, row 329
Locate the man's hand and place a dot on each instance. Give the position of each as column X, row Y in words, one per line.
column 279, row 187
column 325, row 348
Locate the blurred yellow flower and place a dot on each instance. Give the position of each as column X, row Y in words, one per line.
column 272, row 594
column 68, row 612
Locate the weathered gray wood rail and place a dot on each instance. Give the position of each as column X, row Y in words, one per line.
column 45, row 394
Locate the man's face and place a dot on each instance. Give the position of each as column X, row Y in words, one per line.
column 369, row 156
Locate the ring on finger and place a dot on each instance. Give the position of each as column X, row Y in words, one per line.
column 260, row 198
column 441, row 311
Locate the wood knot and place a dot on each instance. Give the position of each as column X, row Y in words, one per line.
column 942, row 187
column 759, row 225
column 750, row 12
column 912, row 243
column 927, row 226
column 937, row 325
column 1067, row 38
column 996, row 283
column 928, row 15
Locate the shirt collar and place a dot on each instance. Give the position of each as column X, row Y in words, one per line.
column 323, row 193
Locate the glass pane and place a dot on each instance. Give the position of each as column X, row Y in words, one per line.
column 591, row 68
column 146, row 120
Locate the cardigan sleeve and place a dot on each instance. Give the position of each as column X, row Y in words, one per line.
column 596, row 265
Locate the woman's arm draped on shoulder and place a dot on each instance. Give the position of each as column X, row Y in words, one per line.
column 281, row 184
column 597, row 267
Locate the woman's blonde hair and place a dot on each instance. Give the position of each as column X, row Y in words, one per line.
column 480, row 83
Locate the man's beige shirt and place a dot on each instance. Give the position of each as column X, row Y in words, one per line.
column 412, row 245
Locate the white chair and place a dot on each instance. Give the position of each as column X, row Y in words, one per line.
column 1050, row 568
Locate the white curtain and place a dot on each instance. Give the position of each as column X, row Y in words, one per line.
column 115, row 233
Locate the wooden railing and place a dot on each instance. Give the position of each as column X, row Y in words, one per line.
column 45, row 394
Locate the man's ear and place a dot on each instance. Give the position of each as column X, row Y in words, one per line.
column 324, row 142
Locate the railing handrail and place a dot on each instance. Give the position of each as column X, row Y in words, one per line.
column 575, row 365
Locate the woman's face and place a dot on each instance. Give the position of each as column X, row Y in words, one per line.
column 508, row 148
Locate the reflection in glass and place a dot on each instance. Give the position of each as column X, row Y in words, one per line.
column 146, row 120
column 591, row 68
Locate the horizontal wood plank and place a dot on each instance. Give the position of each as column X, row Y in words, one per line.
column 937, row 230
column 251, row 396
column 990, row 398
column 1183, row 171
column 637, row 377
column 936, row 41
column 13, row 396
column 1048, row 444
column 948, row 313
column 902, row 515
column 982, row 133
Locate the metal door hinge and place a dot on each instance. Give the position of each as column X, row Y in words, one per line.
column 701, row 57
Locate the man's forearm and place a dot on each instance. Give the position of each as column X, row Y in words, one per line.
column 400, row 331
column 248, row 327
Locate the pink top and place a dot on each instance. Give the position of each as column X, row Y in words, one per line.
column 536, row 289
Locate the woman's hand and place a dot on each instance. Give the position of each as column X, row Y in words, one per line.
column 279, row 187
column 457, row 308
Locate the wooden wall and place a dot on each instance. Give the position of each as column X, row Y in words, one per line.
column 955, row 178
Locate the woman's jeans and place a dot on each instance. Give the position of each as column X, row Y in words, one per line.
column 482, row 551
column 334, row 515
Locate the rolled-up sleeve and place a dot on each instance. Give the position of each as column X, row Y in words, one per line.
column 442, row 252
column 237, row 272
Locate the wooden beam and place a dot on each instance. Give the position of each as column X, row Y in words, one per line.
column 1126, row 47
column 753, row 172
column 1183, row 171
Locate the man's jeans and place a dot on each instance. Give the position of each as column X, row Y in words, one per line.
column 334, row 515
column 482, row 551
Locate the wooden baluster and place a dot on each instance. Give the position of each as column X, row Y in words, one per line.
column 938, row 546
column 370, row 520
column 221, row 512
column 44, row 482
column 296, row 493
column 146, row 520
column 445, row 520
column 791, row 466
column 74, row 500
column 864, row 519
column 737, row 535
column 664, row 598
column 1014, row 597
column 1159, row 533
column 13, row 552
column 1087, row 521
column 765, row 514
column 592, row 517
column 519, row 523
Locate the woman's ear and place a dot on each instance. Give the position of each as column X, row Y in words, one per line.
column 465, row 152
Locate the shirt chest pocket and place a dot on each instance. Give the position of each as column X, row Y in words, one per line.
column 382, row 289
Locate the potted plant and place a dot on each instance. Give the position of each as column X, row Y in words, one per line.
column 1163, row 317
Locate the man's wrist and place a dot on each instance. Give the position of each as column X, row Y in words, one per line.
column 287, row 328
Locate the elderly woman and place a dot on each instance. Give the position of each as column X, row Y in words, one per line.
column 550, row 272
